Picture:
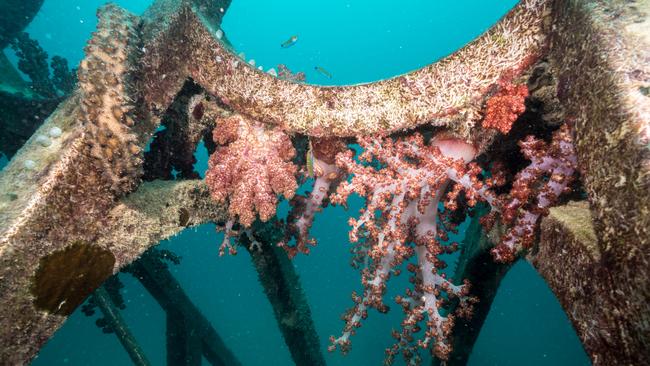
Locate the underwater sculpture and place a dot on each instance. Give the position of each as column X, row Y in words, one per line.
column 75, row 212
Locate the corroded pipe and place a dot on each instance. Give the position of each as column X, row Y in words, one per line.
column 122, row 331
column 601, row 56
column 189, row 333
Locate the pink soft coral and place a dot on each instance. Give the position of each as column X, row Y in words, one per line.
column 402, row 220
column 251, row 166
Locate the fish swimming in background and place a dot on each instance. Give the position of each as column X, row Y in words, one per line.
column 323, row 72
column 290, row 42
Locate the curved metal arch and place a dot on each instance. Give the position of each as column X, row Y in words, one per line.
column 447, row 92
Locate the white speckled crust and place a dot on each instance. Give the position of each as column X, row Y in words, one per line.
column 448, row 92
column 601, row 56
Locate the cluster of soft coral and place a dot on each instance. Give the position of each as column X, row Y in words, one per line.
column 412, row 187
column 251, row 166
column 504, row 107
column 535, row 189
column 413, row 190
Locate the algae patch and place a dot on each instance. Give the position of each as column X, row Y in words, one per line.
column 66, row 277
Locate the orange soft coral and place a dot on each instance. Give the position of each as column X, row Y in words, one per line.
column 251, row 166
column 503, row 108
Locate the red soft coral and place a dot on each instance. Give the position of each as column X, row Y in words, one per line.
column 251, row 166
column 503, row 108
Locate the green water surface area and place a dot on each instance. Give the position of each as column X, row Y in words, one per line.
column 354, row 41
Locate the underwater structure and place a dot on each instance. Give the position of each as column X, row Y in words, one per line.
column 564, row 85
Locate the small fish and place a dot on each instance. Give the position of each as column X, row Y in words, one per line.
column 323, row 72
column 290, row 42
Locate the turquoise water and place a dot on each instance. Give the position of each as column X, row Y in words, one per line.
column 356, row 41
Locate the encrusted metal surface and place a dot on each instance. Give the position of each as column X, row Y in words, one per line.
column 601, row 53
column 57, row 189
column 448, row 92
column 569, row 260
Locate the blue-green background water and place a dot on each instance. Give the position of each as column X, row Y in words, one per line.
column 356, row 41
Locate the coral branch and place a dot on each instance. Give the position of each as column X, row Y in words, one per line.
column 536, row 188
column 32, row 60
column 411, row 190
column 406, row 189
column 327, row 175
